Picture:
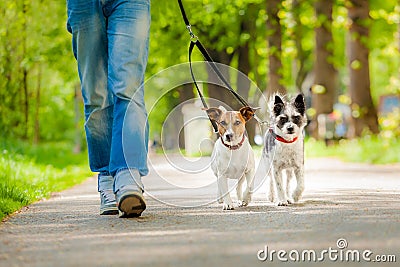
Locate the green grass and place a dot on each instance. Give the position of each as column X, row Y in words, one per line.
column 369, row 149
column 29, row 173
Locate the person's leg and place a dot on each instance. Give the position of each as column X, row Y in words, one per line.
column 89, row 41
column 128, row 36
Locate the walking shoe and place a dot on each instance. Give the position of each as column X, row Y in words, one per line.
column 129, row 193
column 108, row 203
column 130, row 203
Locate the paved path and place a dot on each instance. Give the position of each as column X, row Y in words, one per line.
column 360, row 203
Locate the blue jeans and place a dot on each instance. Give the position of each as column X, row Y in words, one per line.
column 110, row 43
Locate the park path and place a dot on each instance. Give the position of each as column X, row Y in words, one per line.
column 357, row 202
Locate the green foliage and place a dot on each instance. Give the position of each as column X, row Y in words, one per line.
column 35, row 52
column 389, row 124
column 35, row 55
column 44, row 53
column 29, row 173
column 384, row 46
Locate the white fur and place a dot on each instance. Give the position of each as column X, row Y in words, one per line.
column 233, row 164
column 285, row 158
column 288, row 159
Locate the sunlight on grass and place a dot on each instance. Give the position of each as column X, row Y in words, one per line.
column 369, row 149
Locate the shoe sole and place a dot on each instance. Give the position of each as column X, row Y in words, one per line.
column 109, row 211
column 131, row 205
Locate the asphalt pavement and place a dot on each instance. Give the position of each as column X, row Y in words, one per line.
column 347, row 211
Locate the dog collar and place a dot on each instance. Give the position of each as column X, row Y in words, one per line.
column 235, row 146
column 281, row 139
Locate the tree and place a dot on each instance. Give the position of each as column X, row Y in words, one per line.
column 397, row 8
column 35, row 59
column 303, row 63
column 325, row 82
column 363, row 110
column 274, row 39
column 247, row 29
column 215, row 90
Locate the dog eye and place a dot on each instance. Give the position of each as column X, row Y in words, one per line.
column 296, row 119
column 237, row 123
column 223, row 123
column 283, row 120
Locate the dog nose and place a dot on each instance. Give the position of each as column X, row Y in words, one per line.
column 290, row 129
column 229, row 137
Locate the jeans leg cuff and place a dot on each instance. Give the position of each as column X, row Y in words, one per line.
column 128, row 179
column 104, row 182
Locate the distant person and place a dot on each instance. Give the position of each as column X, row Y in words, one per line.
column 110, row 43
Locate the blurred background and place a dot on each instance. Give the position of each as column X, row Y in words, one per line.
column 343, row 55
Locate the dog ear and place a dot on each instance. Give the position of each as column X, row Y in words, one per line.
column 213, row 113
column 222, row 108
column 299, row 104
column 278, row 105
column 247, row 113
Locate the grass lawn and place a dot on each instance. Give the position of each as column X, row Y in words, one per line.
column 369, row 149
column 29, row 172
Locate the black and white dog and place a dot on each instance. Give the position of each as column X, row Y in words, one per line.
column 284, row 147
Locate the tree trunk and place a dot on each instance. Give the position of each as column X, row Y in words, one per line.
column 325, row 81
column 244, row 66
column 36, row 136
column 77, row 118
column 363, row 110
column 274, row 38
column 243, row 82
column 25, row 70
column 302, row 55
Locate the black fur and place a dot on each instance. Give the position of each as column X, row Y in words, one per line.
column 247, row 113
column 282, row 120
column 278, row 105
column 299, row 104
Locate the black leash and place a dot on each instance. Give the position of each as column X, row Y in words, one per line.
column 194, row 41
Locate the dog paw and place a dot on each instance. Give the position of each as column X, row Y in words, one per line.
column 247, row 198
column 284, row 203
column 242, row 203
column 227, row 207
column 297, row 194
column 296, row 198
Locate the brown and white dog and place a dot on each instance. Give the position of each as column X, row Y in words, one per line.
column 232, row 157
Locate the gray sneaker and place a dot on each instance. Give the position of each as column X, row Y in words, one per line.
column 108, row 203
column 129, row 193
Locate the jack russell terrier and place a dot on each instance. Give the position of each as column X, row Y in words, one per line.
column 232, row 157
column 284, row 147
